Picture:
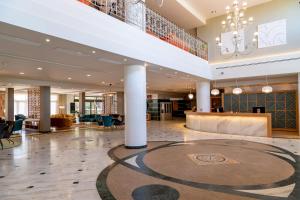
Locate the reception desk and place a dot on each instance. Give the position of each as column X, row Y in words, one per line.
column 247, row 124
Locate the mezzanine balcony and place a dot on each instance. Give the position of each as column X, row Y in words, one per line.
column 152, row 23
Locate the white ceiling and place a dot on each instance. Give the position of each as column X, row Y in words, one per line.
column 24, row 51
column 190, row 14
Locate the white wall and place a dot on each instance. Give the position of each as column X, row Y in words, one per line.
column 74, row 21
column 288, row 63
column 283, row 59
column 263, row 13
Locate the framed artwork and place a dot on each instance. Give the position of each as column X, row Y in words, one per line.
column 272, row 34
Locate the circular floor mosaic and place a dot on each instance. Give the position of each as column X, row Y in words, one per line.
column 205, row 169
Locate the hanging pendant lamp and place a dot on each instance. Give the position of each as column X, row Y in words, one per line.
column 215, row 91
column 237, row 90
column 267, row 89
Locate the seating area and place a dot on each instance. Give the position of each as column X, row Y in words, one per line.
column 112, row 120
column 6, row 131
column 62, row 120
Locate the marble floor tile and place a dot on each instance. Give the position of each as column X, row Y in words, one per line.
column 65, row 165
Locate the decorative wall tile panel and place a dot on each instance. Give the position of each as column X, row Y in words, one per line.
column 270, row 106
column 251, row 104
column 261, row 100
column 282, row 106
column 235, row 103
column 252, row 97
column 227, row 102
column 280, row 97
column 291, row 124
column 270, row 97
column 34, row 103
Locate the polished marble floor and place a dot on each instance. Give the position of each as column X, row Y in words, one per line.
column 66, row 165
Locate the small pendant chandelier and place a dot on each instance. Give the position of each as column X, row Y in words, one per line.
column 190, row 95
column 237, row 90
column 215, row 91
column 267, row 89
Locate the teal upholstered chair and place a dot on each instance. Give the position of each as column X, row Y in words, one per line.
column 107, row 121
column 18, row 125
column 20, row 116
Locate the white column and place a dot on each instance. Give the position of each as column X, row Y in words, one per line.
column 203, row 96
column 45, row 96
column 9, row 104
column 135, row 106
column 135, row 13
column 82, row 103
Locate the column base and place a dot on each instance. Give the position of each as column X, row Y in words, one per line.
column 136, row 147
column 44, row 131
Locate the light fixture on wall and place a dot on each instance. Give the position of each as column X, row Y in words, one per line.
column 215, row 91
column 267, row 88
column 232, row 40
column 237, row 90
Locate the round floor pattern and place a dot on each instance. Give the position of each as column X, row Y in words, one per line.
column 204, row 169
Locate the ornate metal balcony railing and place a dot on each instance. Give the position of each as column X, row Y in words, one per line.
column 151, row 22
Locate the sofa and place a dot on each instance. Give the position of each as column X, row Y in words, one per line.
column 90, row 118
column 62, row 120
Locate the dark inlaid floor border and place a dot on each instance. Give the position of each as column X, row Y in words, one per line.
column 105, row 193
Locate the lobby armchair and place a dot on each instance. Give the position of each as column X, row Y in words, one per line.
column 18, row 126
column 6, row 131
column 107, row 121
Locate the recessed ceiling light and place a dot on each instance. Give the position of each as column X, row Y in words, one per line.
column 69, row 78
column 122, row 80
column 47, row 40
column 93, row 52
column 88, row 75
column 21, row 73
column 39, row 68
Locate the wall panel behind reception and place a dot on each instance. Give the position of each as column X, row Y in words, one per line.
column 282, row 106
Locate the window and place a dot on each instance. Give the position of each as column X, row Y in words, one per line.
column 21, row 104
column 53, row 107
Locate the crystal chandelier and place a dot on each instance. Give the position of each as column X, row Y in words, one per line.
column 232, row 40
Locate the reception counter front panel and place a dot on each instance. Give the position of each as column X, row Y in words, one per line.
column 248, row 124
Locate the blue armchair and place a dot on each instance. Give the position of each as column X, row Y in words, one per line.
column 20, row 116
column 107, row 121
column 18, row 125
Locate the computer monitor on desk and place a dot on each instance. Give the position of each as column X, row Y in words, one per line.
column 259, row 109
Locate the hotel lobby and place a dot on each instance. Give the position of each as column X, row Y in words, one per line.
column 149, row 99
